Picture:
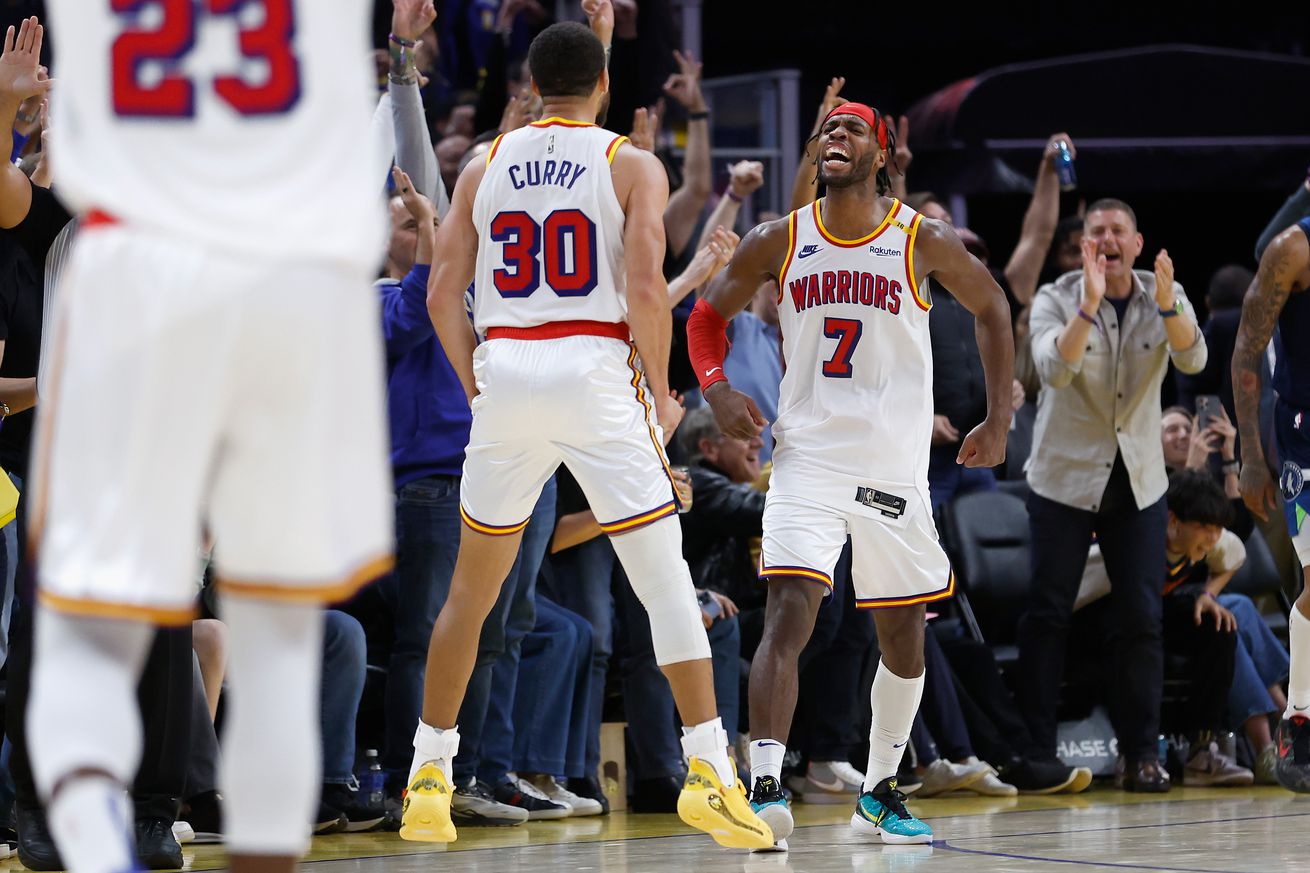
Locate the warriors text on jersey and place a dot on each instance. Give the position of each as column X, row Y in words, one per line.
column 240, row 125
column 551, row 228
column 856, row 399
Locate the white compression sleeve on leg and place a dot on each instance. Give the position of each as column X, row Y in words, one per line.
column 271, row 752
column 83, row 713
column 1298, row 680
column 652, row 558
column 83, row 719
column 895, row 700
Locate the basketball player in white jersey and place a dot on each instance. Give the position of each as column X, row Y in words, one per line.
column 217, row 364
column 561, row 230
column 853, row 433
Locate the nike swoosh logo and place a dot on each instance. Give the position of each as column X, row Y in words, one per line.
column 900, row 745
column 1300, row 708
column 807, row 251
column 761, row 742
column 837, row 786
column 710, row 372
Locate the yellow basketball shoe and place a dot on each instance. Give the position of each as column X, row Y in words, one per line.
column 723, row 813
column 425, row 817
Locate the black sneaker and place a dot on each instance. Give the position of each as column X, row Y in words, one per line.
column 473, row 804
column 328, row 820
column 524, row 796
column 36, row 848
column 1032, row 776
column 156, row 847
column 589, row 786
column 360, row 816
column 204, row 813
column 656, row 795
column 1293, row 768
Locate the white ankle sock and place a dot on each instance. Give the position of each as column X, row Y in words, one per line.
column 434, row 744
column 766, row 758
column 91, row 821
column 709, row 742
column 1298, row 681
column 895, row 700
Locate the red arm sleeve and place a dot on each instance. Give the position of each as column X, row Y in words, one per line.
column 707, row 343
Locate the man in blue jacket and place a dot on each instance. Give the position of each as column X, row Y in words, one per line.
column 430, row 422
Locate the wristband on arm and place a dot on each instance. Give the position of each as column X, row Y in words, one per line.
column 707, row 343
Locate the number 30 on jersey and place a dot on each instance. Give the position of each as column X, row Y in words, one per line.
column 564, row 244
column 173, row 35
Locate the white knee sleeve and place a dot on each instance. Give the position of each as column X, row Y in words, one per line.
column 272, row 762
column 83, row 713
column 652, row 558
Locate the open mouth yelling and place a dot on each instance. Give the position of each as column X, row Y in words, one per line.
column 835, row 156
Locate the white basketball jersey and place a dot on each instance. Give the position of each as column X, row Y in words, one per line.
column 856, row 398
column 550, row 228
column 242, row 124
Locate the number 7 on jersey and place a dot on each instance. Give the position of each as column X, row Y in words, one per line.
column 846, row 331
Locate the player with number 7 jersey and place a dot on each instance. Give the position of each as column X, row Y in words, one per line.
column 853, row 434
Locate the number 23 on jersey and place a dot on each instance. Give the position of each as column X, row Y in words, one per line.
column 171, row 35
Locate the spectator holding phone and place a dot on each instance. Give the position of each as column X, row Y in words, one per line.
column 1191, row 442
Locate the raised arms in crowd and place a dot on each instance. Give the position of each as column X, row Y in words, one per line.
column 1039, row 222
column 21, row 77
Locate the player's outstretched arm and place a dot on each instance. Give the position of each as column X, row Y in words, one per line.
column 21, row 76
column 758, row 258
column 941, row 255
column 454, row 260
column 1287, row 257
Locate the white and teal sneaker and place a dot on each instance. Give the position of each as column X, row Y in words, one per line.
column 882, row 813
column 770, row 804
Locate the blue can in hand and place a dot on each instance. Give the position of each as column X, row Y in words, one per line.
column 1064, row 167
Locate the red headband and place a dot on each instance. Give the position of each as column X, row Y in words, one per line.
column 868, row 114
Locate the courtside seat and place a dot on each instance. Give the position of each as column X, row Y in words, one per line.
column 987, row 536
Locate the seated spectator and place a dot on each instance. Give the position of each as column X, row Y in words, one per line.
column 1203, row 559
column 551, row 705
column 1200, row 558
column 1196, row 625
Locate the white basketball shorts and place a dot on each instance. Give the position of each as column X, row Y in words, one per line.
column 894, row 562
column 194, row 390
column 579, row 400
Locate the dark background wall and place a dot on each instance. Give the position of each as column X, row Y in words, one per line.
column 893, row 55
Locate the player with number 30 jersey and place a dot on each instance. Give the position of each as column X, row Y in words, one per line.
column 562, row 230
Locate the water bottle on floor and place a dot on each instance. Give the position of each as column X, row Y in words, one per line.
column 373, row 784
